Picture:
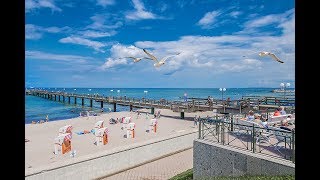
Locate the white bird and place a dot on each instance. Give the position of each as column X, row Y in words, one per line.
column 273, row 56
column 135, row 59
column 161, row 62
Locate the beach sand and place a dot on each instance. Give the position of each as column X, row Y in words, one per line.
column 39, row 150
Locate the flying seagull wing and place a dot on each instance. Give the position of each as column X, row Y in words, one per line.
column 127, row 57
column 150, row 55
column 275, row 58
column 263, row 53
column 165, row 58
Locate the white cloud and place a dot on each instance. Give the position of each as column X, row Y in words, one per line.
column 207, row 21
column 118, row 52
column 235, row 14
column 218, row 54
column 37, row 4
column 96, row 45
column 97, row 34
column 36, row 32
column 58, row 57
column 105, row 21
column 113, row 62
column 105, row 3
column 32, row 32
column 269, row 19
column 140, row 12
column 163, row 7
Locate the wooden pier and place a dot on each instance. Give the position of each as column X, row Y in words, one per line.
column 191, row 105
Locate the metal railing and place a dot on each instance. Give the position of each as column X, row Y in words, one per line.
column 228, row 131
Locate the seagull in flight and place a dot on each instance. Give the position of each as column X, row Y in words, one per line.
column 136, row 59
column 157, row 62
column 273, row 56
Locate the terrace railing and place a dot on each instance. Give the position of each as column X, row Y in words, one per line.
column 231, row 131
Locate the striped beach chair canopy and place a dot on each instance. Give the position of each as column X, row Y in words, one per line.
column 65, row 129
column 62, row 137
column 98, row 124
column 101, row 131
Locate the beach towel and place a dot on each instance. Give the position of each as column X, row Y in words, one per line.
column 84, row 132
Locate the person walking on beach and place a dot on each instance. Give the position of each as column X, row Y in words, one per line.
column 47, row 118
column 195, row 119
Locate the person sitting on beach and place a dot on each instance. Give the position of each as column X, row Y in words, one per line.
column 276, row 112
column 282, row 111
column 285, row 125
column 250, row 116
column 258, row 119
column 33, row 122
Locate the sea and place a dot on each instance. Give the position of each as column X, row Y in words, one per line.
column 37, row 108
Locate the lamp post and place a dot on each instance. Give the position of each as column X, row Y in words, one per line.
column 222, row 90
column 111, row 90
column 283, row 87
column 145, row 94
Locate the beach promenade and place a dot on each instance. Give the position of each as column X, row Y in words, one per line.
column 161, row 169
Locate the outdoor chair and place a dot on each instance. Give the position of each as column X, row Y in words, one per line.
column 282, row 136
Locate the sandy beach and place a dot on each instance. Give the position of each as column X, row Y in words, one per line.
column 39, row 150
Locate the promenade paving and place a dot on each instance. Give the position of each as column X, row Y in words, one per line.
column 160, row 169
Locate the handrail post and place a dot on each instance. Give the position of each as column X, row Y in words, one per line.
column 231, row 123
column 293, row 146
column 199, row 129
column 218, row 130
column 253, row 140
column 222, row 133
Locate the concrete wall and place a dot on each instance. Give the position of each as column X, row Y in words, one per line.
column 211, row 159
column 112, row 161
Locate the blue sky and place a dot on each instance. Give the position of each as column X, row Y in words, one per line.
column 71, row 43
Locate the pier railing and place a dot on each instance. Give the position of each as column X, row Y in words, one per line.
column 270, row 141
column 188, row 105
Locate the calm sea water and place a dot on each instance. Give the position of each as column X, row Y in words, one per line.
column 36, row 108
